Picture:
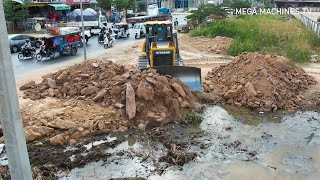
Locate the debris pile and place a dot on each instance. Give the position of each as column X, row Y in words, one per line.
column 217, row 45
column 133, row 96
column 257, row 81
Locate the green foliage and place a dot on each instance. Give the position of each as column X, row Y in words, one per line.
column 204, row 11
column 105, row 4
column 298, row 54
column 124, row 4
column 14, row 11
column 141, row 7
column 239, row 46
column 236, row 4
column 266, row 34
column 192, row 117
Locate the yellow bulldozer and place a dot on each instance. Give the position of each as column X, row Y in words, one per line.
column 160, row 51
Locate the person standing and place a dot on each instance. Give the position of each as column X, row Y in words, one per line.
column 176, row 23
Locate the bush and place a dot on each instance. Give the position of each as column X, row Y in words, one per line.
column 266, row 34
column 192, row 117
column 299, row 54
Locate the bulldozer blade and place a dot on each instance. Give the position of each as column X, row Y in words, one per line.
column 190, row 76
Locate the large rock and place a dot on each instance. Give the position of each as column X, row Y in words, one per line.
column 249, row 89
column 168, row 92
column 88, row 124
column 153, row 117
column 31, row 135
column 80, row 134
column 145, row 90
column 89, row 90
column 27, row 85
column 231, row 94
column 51, row 92
column 52, row 83
column 130, row 101
column 62, row 77
column 179, row 89
column 115, row 90
column 176, row 108
column 63, row 124
column 43, row 130
column 57, row 140
column 100, row 94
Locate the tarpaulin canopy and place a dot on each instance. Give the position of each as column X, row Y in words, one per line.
column 75, row 15
column 60, row 7
column 90, row 10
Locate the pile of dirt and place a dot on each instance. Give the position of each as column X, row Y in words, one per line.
column 217, row 45
column 125, row 95
column 257, row 81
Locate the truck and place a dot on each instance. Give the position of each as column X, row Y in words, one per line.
column 154, row 14
column 92, row 20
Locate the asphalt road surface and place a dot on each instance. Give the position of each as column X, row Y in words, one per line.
column 25, row 68
column 22, row 68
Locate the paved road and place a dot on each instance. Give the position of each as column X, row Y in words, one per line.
column 30, row 66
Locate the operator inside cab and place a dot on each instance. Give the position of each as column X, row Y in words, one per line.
column 161, row 33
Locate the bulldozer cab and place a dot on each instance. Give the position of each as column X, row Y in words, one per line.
column 159, row 32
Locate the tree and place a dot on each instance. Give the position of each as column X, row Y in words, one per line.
column 141, row 7
column 15, row 12
column 237, row 4
column 124, row 4
column 204, row 11
column 105, row 4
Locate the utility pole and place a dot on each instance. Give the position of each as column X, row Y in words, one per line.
column 10, row 116
column 84, row 41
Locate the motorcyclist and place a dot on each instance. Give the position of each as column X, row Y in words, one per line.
column 102, row 33
column 27, row 47
column 107, row 35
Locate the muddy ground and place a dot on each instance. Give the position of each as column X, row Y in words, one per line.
column 170, row 142
column 184, row 151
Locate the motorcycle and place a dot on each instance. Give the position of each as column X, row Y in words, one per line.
column 107, row 43
column 100, row 38
column 44, row 53
column 26, row 52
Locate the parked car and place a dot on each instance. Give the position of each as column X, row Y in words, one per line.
column 18, row 40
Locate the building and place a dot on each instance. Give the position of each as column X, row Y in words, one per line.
column 297, row 3
column 176, row 4
column 54, row 10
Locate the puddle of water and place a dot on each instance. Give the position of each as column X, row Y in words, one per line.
column 1, row 148
column 265, row 151
column 70, row 148
column 97, row 143
column 3, row 157
column 251, row 117
column 236, row 150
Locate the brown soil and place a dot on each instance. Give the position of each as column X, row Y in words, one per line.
column 262, row 82
column 217, row 45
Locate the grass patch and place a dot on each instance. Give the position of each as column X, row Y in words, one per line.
column 265, row 34
column 191, row 117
